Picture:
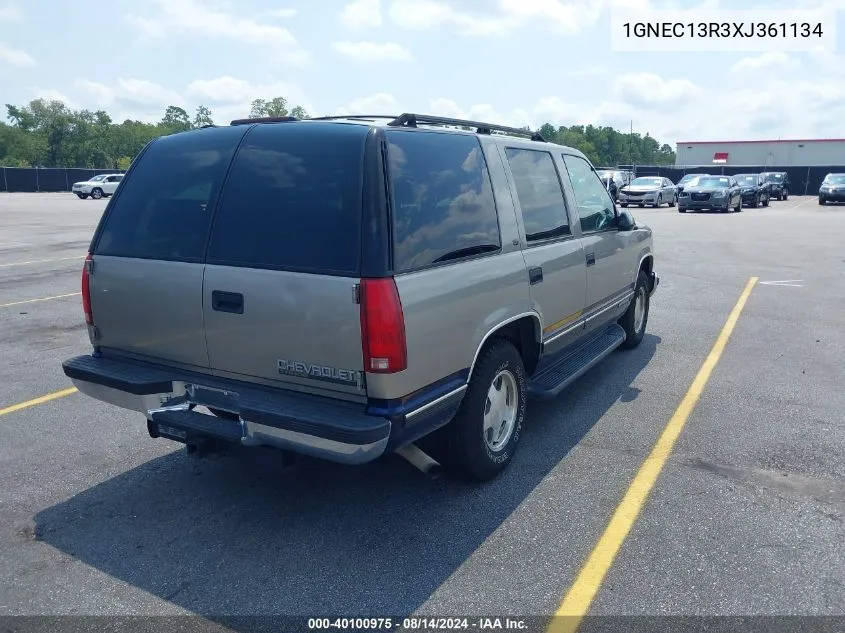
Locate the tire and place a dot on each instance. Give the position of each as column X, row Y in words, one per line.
column 674, row 201
column 738, row 207
column 822, row 201
column 766, row 202
column 97, row 193
column 81, row 196
column 468, row 453
column 641, row 206
column 634, row 324
column 680, row 210
column 659, row 202
column 624, row 205
column 757, row 203
column 786, row 194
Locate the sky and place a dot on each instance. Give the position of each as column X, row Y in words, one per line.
column 513, row 62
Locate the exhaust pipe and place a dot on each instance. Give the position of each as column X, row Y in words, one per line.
column 421, row 461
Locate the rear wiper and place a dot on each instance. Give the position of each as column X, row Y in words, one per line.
column 467, row 251
column 555, row 232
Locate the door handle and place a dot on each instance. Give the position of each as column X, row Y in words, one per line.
column 591, row 259
column 227, row 302
column 535, row 275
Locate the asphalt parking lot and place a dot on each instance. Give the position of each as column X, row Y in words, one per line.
column 746, row 517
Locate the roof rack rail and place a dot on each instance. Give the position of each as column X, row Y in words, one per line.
column 412, row 120
column 362, row 117
column 264, row 119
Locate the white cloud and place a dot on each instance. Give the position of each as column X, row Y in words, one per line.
column 10, row 13
column 15, row 56
column 193, row 17
column 372, row 51
column 51, row 94
column 764, row 61
column 381, row 103
column 567, row 16
column 284, row 14
column 361, row 14
column 651, row 89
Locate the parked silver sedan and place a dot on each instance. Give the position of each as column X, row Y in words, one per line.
column 651, row 190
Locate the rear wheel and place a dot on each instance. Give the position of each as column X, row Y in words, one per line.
column 738, row 206
column 786, row 194
column 673, row 201
column 756, row 203
column 659, row 202
column 482, row 438
column 766, row 201
column 97, row 193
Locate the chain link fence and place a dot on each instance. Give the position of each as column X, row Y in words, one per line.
column 37, row 179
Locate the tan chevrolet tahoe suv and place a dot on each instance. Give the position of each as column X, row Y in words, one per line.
column 344, row 287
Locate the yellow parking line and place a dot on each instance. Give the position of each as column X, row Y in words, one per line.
column 18, row 303
column 41, row 261
column 576, row 603
column 31, row 403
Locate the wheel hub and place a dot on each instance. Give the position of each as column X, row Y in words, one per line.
column 500, row 411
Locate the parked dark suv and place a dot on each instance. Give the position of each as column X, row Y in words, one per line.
column 344, row 287
column 755, row 190
column 778, row 184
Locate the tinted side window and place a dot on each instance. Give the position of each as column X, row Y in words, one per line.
column 443, row 200
column 163, row 211
column 293, row 200
column 595, row 208
column 539, row 193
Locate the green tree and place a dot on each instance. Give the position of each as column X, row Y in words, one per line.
column 277, row 106
column 299, row 112
column 202, row 117
column 175, row 119
column 123, row 163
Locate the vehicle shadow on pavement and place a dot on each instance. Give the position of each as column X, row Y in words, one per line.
column 236, row 536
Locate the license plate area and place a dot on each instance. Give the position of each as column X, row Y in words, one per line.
column 213, row 398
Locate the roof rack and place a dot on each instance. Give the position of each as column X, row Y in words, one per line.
column 361, row 117
column 265, row 119
column 413, row 120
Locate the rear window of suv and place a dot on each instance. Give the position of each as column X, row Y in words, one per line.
column 293, row 200
column 444, row 208
column 163, row 211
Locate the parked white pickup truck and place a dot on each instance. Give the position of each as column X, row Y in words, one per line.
column 97, row 187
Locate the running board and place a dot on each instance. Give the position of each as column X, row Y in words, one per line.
column 550, row 381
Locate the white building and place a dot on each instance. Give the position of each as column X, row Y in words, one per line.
column 780, row 153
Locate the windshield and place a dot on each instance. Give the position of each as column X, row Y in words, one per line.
column 835, row 179
column 647, row 182
column 713, row 181
column 96, row 178
column 749, row 179
column 774, row 177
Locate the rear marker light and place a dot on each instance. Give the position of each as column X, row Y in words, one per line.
column 86, row 289
column 382, row 327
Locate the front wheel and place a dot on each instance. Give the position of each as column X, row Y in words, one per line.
column 483, row 436
column 659, row 202
column 786, row 194
column 766, row 201
column 97, row 193
column 636, row 316
column 822, row 201
column 673, row 201
column 81, row 196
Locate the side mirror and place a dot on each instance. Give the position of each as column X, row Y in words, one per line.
column 625, row 221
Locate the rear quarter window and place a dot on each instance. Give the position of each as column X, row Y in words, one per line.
column 293, row 200
column 163, row 210
column 443, row 204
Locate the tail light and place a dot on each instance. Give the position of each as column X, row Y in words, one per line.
column 382, row 327
column 86, row 289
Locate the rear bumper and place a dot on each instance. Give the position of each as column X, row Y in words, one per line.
column 311, row 425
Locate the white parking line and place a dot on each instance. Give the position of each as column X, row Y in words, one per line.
column 41, row 261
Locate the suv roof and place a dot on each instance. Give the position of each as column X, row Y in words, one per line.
column 413, row 121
